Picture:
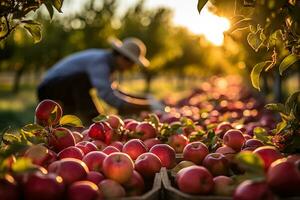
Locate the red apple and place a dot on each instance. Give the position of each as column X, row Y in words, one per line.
column 269, row 154
column 145, row 131
column 250, row 190
column 217, row 164
column 110, row 149
column 115, row 121
column 38, row 154
column 284, row 178
column 84, row 190
column 78, row 136
column 178, row 142
column 94, row 160
column 95, row 177
column 8, row 188
column 48, row 113
column 148, row 164
column 100, row 144
column 234, row 138
column 223, row 186
column 252, row 144
column 222, row 128
column 86, row 146
column 118, row 166
column 119, row 145
column 186, row 177
column 134, row 148
column 96, row 131
column 135, row 186
column 71, row 152
column 166, row 155
column 293, row 158
column 70, row 169
column 112, row 189
column 228, row 152
column 195, row 152
column 48, row 186
column 61, row 138
column 151, row 142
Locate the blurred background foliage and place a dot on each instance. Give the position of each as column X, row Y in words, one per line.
column 179, row 58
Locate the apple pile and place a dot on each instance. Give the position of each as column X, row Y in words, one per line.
column 76, row 163
column 217, row 141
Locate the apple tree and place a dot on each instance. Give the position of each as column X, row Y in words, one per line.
column 13, row 14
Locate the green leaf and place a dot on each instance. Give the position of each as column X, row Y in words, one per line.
column 280, row 126
column 153, row 118
column 58, row 4
column 287, row 62
column 240, row 25
column 292, row 100
column 262, row 135
column 100, row 118
column 10, row 138
column 250, row 162
column 278, row 107
column 254, row 40
column 201, row 4
column 50, row 9
column 22, row 165
column 255, row 73
column 12, row 149
column 34, row 29
column 70, row 120
column 3, row 27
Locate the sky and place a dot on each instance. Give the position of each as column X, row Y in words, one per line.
column 185, row 14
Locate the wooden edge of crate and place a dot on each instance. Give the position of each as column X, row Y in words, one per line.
column 151, row 194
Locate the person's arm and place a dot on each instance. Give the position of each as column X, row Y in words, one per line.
column 100, row 79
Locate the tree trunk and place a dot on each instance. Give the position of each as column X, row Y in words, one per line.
column 17, row 78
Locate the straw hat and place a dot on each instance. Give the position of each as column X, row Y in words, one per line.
column 133, row 48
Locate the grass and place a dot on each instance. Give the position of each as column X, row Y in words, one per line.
column 17, row 110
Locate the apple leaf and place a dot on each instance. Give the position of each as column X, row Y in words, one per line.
column 255, row 40
column 49, row 7
column 287, row 62
column 12, row 149
column 262, row 135
column 58, row 4
column 34, row 29
column 280, row 126
column 70, row 120
column 278, row 107
column 240, row 25
column 100, row 118
column 250, row 162
column 22, row 165
column 255, row 73
column 201, row 4
column 292, row 100
column 153, row 118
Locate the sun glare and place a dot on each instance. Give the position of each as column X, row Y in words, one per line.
column 207, row 24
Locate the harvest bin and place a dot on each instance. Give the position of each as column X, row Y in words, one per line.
column 153, row 194
column 172, row 193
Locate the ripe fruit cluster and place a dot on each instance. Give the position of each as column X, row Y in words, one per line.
column 115, row 158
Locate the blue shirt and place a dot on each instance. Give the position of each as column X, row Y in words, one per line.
column 97, row 63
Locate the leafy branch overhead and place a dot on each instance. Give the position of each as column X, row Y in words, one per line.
column 273, row 26
column 13, row 14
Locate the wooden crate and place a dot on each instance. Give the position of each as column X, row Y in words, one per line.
column 153, row 194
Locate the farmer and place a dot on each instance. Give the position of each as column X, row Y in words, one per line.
column 70, row 81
